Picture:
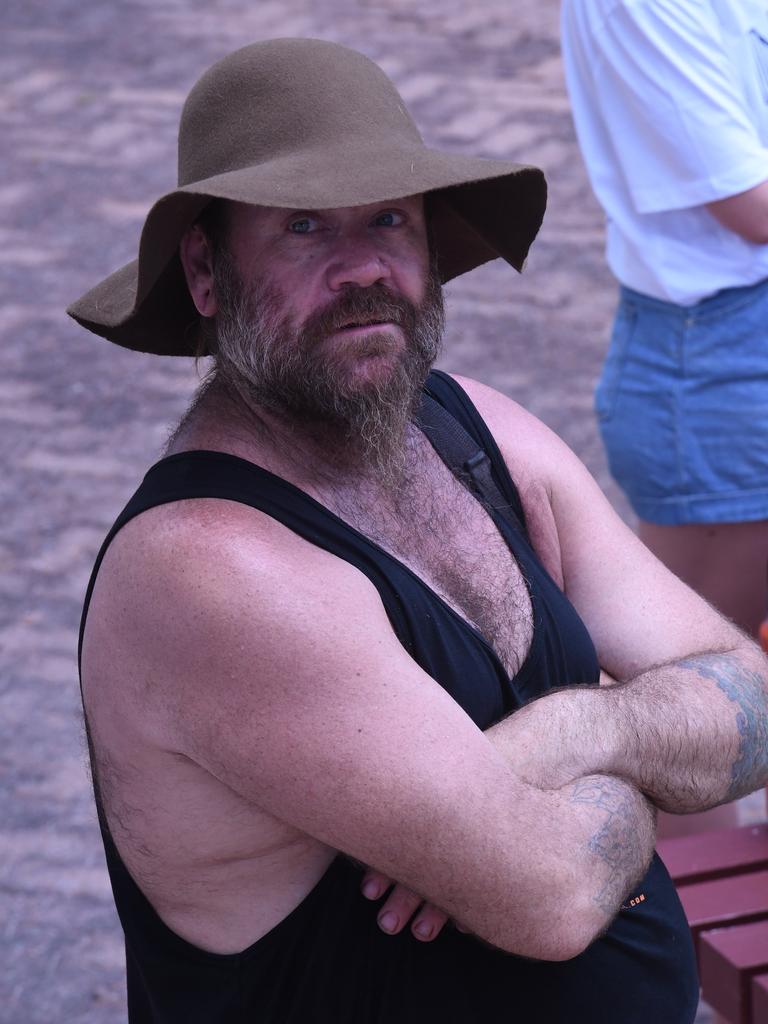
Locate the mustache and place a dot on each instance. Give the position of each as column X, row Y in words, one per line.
column 361, row 306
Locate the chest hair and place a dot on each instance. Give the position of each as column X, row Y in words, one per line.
column 442, row 533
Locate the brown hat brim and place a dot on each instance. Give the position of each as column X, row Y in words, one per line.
column 480, row 210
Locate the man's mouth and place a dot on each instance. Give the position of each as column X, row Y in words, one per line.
column 351, row 325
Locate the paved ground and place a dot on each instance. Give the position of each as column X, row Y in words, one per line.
column 90, row 98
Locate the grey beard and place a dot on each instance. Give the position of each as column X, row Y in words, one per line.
column 273, row 366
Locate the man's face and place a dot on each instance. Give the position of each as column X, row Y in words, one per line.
column 311, row 257
column 330, row 317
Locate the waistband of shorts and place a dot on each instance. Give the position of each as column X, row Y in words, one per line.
column 720, row 302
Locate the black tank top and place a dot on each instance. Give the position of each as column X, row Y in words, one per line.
column 328, row 962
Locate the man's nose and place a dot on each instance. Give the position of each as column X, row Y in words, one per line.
column 358, row 264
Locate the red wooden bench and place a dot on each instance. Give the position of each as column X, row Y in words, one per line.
column 722, row 881
column 760, row 997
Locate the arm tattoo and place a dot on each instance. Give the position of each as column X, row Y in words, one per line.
column 616, row 841
column 744, row 689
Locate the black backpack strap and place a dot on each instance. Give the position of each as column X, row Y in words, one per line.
column 460, row 452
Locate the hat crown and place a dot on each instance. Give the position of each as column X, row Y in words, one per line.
column 280, row 97
column 305, row 124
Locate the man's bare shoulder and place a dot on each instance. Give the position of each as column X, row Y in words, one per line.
column 529, row 447
column 189, row 539
column 212, row 626
column 180, row 566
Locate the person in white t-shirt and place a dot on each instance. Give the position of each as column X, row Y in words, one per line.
column 670, row 103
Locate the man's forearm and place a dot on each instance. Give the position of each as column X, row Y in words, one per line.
column 690, row 734
column 708, row 740
column 619, row 838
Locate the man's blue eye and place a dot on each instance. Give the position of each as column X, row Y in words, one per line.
column 387, row 220
column 300, row 226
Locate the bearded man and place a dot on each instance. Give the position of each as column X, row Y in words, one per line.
column 315, row 635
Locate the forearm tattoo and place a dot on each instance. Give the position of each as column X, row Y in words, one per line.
column 616, row 842
column 745, row 689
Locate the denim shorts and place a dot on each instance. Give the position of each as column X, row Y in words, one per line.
column 683, row 406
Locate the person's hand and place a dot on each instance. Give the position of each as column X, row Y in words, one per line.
column 402, row 906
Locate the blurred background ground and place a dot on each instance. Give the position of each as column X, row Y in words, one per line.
column 91, row 94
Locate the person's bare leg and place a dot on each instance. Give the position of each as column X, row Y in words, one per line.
column 726, row 564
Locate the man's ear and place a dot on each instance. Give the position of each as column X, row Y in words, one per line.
column 197, row 260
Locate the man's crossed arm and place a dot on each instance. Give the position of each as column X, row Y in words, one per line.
column 688, row 735
column 279, row 673
column 689, row 729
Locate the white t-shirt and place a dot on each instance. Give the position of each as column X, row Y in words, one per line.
column 670, row 102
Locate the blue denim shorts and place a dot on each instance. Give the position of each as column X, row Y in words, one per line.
column 683, row 406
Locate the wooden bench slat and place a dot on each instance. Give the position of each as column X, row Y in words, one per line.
column 760, row 999
column 710, row 855
column 725, row 901
column 728, row 960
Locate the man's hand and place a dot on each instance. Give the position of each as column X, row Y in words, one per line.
column 401, row 906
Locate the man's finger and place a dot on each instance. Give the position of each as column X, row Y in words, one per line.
column 402, row 903
column 428, row 923
column 374, row 884
column 399, row 908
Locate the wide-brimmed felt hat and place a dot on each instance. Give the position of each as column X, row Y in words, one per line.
column 306, row 124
